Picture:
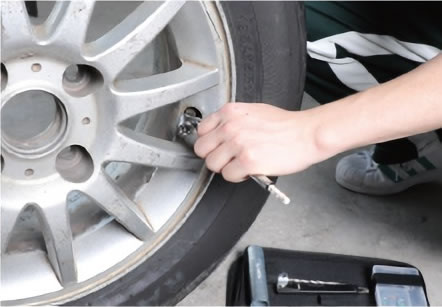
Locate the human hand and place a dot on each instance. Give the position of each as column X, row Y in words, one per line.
column 244, row 139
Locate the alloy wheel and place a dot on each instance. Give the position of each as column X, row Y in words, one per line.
column 93, row 177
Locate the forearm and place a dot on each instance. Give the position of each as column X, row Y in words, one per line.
column 248, row 139
column 408, row 105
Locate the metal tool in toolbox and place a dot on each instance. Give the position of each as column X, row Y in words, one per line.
column 187, row 130
column 285, row 284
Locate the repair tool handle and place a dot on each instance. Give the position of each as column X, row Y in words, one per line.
column 257, row 276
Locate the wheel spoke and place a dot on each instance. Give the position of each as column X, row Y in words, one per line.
column 68, row 23
column 114, row 50
column 57, row 233
column 8, row 220
column 141, row 95
column 138, row 148
column 113, row 200
column 16, row 24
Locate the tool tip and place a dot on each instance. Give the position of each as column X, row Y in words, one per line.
column 278, row 194
column 285, row 200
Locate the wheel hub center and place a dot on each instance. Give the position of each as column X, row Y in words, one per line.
column 32, row 122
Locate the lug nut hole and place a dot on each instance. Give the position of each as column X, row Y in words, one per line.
column 29, row 172
column 36, row 67
column 192, row 111
column 81, row 80
column 86, row 121
column 74, row 164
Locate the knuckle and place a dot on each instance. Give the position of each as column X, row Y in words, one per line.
column 238, row 141
column 201, row 129
column 199, row 149
column 207, row 124
column 229, row 176
column 229, row 109
column 212, row 165
column 247, row 159
column 226, row 175
column 228, row 128
column 210, row 117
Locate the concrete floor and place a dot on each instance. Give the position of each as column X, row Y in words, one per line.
column 326, row 218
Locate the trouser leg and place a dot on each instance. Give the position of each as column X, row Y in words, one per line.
column 328, row 78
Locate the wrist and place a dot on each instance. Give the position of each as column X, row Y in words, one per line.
column 307, row 133
column 326, row 140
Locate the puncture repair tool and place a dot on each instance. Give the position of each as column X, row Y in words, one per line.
column 285, row 284
column 187, row 130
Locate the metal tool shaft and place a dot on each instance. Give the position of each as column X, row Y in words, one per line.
column 285, row 284
column 269, row 185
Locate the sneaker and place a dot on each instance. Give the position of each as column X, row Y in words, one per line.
column 358, row 172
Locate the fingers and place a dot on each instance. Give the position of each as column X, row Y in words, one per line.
column 209, row 138
column 204, row 145
column 213, row 139
column 219, row 141
column 234, row 171
column 209, row 123
column 225, row 114
column 220, row 157
column 232, row 160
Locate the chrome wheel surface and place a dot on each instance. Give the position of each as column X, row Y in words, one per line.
column 93, row 177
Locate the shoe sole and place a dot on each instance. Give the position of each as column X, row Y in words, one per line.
column 425, row 177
